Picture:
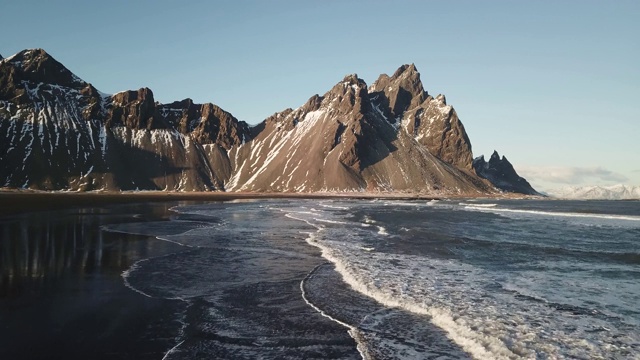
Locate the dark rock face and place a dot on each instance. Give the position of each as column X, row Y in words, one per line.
column 402, row 99
column 59, row 132
column 502, row 175
column 135, row 110
column 206, row 123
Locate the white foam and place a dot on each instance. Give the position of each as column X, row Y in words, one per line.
column 132, row 232
column 331, row 221
column 478, row 345
column 455, row 297
column 125, row 276
column 334, row 206
column 353, row 331
column 172, row 350
column 369, row 220
column 478, row 207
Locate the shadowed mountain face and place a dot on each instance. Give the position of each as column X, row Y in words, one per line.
column 502, row 175
column 59, row 132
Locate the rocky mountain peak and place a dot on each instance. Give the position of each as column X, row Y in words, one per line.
column 37, row 66
column 313, row 103
column 135, row 110
column 217, row 126
column 406, row 70
column 349, row 96
column 350, row 83
column 133, row 96
column 402, row 99
column 501, row 174
column 205, row 123
column 400, row 92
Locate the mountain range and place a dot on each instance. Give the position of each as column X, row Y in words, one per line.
column 595, row 192
column 58, row 132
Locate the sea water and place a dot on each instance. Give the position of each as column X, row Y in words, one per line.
column 387, row 279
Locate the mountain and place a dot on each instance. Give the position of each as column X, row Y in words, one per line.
column 502, row 175
column 614, row 192
column 60, row 132
column 349, row 139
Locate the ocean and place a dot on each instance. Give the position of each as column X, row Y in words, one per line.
column 354, row 279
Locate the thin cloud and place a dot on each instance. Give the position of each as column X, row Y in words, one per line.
column 571, row 175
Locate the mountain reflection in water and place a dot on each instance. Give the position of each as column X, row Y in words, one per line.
column 38, row 249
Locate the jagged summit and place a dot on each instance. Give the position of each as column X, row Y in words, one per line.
column 403, row 100
column 409, row 68
column 502, row 175
column 401, row 91
column 62, row 133
column 36, row 65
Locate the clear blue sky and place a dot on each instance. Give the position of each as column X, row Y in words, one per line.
column 553, row 85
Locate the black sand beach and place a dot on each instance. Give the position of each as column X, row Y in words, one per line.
column 61, row 290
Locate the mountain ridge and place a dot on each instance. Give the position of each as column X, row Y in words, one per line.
column 597, row 192
column 62, row 133
column 499, row 171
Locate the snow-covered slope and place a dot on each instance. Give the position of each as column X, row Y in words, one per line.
column 59, row 132
column 613, row 192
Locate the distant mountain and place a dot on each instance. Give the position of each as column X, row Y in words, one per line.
column 502, row 175
column 59, row 132
column 613, row 192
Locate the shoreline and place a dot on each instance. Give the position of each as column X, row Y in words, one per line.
column 14, row 202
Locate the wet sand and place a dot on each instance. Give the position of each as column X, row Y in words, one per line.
column 15, row 202
column 61, row 291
